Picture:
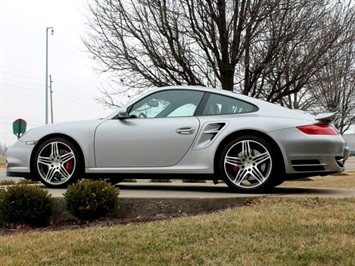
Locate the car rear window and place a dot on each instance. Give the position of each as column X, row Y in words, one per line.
column 223, row 105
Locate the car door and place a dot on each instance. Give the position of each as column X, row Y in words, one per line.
column 157, row 132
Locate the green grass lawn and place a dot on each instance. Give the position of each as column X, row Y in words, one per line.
column 307, row 231
column 272, row 231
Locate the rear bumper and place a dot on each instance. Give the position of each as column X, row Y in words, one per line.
column 311, row 155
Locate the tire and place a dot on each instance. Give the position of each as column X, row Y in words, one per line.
column 249, row 163
column 57, row 163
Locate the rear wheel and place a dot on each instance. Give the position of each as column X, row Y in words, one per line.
column 249, row 163
column 57, row 162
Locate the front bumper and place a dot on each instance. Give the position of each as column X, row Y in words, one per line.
column 18, row 162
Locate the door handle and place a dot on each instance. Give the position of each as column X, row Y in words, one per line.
column 185, row 130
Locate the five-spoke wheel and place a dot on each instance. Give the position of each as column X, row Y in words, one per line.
column 57, row 162
column 248, row 163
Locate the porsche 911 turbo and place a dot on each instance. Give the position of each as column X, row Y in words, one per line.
column 185, row 132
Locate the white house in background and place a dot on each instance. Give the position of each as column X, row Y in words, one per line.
column 350, row 139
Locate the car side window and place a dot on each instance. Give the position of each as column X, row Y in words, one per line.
column 171, row 103
column 223, row 105
column 184, row 110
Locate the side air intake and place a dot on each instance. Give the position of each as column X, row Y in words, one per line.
column 209, row 132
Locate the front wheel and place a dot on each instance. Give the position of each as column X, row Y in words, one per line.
column 57, row 162
column 248, row 163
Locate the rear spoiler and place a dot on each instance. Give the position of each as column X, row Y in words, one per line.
column 327, row 117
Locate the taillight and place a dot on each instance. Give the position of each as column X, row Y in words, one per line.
column 318, row 129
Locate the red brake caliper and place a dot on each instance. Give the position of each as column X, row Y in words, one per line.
column 235, row 167
column 69, row 165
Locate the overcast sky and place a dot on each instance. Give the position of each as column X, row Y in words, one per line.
column 22, row 64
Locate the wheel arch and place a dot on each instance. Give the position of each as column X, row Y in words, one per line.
column 57, row 135
column 262, row 135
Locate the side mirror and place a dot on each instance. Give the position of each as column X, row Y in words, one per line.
column 122, row 113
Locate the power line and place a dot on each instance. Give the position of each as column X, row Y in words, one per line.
column 22, row 87
column 17, row 71
column 28, row 122
column 28, row 81
column 78, row 94
column 19, row 75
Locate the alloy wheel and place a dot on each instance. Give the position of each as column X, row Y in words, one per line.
column 56, row 163
column 248, row 164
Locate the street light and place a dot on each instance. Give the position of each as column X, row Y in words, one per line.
column 46, row 89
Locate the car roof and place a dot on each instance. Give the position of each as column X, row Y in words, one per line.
column 258, row 102
column 208, row 89
column 266, row 108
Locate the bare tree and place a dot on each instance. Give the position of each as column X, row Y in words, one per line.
column 335, row 88
column 267, row 49
column 301, row 39
column 332, row 85
column 156, row 43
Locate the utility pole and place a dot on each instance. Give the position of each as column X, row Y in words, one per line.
column 51, row 96
column 46, row 88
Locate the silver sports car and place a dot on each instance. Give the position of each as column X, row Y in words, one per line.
column 184, row 132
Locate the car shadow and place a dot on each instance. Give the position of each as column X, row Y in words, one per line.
column 175, row 187
column 307, row 191
column 224, row 189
